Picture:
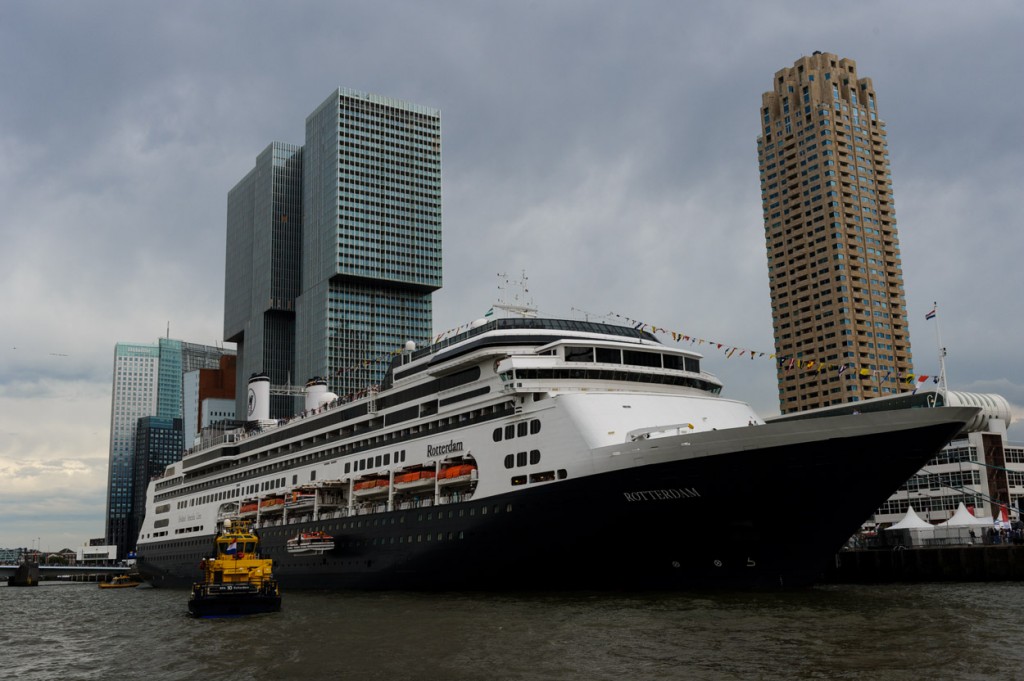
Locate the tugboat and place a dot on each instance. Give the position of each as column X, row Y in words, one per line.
column 236, row 580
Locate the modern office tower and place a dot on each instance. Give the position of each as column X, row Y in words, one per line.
column 262, row 278
column 157, row 444
column 147, row 382
column 176, row 359
column 371, row 254
column 136, row 371
column 209, row 396
column 838, row 304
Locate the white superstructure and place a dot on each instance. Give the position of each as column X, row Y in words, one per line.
column 545, row 394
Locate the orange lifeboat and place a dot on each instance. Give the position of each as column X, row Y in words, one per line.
column 458, row 471
column 371, row 488
column 415, row 479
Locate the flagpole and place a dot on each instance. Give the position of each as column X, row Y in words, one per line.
column 943, row 387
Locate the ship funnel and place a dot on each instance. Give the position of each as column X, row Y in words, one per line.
column 259, row 398
column 317, row 394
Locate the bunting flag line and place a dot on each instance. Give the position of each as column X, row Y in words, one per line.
column 785, row 363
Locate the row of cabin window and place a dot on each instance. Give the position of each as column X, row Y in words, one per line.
column 374, row 461
column 404, row 434
column 545, row 476
column 519, row 459
column 576, row 353
column 520, row 429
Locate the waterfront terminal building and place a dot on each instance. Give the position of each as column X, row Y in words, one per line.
column 980, row 469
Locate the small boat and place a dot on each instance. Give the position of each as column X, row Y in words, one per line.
column 26, row 574
column 299, row 498
column 415, row 480
column 120, row 582
column 371, row 487
column 457, row 474
column 236, row 580
column 310, row 542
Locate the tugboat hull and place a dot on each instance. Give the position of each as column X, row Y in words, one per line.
column 227, row 600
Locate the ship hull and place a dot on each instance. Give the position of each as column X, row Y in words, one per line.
column 770, row 512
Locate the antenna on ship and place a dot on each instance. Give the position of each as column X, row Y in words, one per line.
column 934, row 315
column 520, row 302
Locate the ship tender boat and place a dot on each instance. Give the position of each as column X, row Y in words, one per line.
column 306, row 543
column 237, row 580
column 120, row 582
column 539, row 453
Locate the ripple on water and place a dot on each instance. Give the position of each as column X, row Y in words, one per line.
column 938, row 631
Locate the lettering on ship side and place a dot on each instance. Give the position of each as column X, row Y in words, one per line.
column 662, row 494
column 447, row 448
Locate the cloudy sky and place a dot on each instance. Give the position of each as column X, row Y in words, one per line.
column 607, row 149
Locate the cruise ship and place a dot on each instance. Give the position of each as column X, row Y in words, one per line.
column 530, row 453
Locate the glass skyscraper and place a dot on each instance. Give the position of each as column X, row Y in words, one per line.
column 262, row 271
column 157, row 445
column 329, row 281
column 136, row 367
column 371, row 254
column 147, row 382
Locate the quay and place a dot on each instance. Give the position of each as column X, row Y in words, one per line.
column 31, row 576
column 961, row 563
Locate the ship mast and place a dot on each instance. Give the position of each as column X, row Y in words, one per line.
column 934, row 315
column 520, row 304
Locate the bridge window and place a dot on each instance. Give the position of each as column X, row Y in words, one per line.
column 574, row 353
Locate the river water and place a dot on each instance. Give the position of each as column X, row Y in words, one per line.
column 930, row 631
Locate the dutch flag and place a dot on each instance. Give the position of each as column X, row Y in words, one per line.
column 232, row 548
column 930, row 315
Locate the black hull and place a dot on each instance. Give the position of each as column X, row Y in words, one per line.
column 759, row 517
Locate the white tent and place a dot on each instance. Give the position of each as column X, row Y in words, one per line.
column 911, row 521
column 964, row 518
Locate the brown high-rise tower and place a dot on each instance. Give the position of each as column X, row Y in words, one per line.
column 838, row 305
